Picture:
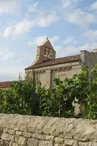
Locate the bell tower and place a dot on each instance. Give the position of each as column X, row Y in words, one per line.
column 45, row 51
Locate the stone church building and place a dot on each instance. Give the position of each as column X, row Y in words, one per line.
column 47, row 67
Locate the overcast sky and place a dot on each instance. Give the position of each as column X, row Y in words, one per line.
column 70, row 25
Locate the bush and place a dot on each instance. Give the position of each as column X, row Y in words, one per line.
column 25, row 97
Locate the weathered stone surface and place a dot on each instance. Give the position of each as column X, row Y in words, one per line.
column 6, row 143
column 59, row 140
column 16, row 138
column 59, row 144
column 11, row 132
column 70, row 142
column 26, row 134
column 39, row 136
column 1, row 130
column 7, row 137
column 22, row 140
column 14, row 144
column 87, row 144
column 17, row 130
column 32, row 142
column 45, row 143
column 49, row 137
column 18, row 133
column 1, row 142
column 5, row 130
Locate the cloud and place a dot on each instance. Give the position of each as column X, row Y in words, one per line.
column 33, row 7
column 18, row 28
column 41, row 39
column 69, row 50
column 91, row 35
column 88, row 46
column 43, row 19
column 54, row 39
column 69, row 39
column 11, row 73
column 94, row 6
column 8, row 70
column 69, row 3
column 12, row 63
column 5, row 54
column 8, row 6
column 80, row 17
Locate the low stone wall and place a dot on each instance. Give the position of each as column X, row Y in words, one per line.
column 17, row 130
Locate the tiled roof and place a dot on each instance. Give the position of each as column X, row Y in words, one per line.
column 6, row 84
column 55, row 62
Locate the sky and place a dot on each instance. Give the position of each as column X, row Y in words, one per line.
column 70, row 25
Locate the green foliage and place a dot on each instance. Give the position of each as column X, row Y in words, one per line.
column 21, row 98
column 27, row 97
column 55, row 102
column 91, row 100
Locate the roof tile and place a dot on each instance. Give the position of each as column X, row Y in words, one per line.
column 55, row 62
column 6, row 84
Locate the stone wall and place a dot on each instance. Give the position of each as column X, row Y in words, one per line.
column 46, row 75
column 89, row 59
column 17, row 130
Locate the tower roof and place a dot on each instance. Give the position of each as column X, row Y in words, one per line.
column 46, row 41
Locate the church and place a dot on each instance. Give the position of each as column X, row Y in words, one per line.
column 47, row 67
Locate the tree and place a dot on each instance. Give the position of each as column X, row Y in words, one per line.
column 21, row 98
column 25, row 97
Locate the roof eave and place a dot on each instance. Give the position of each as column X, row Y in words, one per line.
column 34, row 67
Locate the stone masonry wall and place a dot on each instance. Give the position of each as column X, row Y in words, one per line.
column 17, row 130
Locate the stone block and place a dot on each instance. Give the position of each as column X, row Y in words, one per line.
column 49, row 137
column 12, row 132
column 38, row 136
column 32, row 142
column 59, row 140
column 70, row 142
column 22, row 141
column 26, row 134
column 7, row 137
column 45, row 143
column 18, row 133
